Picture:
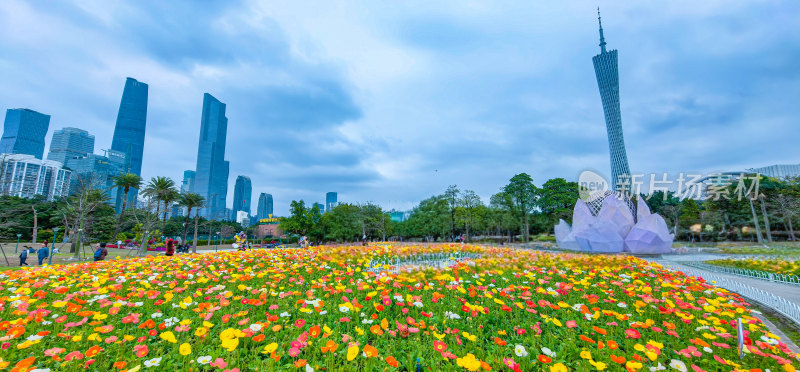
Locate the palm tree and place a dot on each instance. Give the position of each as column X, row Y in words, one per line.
column 191, row 200
column 159, row 187
column 125, row 182
column 168, row 198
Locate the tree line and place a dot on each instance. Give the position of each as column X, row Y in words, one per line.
column 520, row 210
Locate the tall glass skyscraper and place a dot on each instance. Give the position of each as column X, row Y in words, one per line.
column 23, row 132
column 242, row 194
column 211, row 178
column 187, row 185
column 69, row 143
column 605, row 69
column 129, row 131
column 330, row 200
column 264, row 206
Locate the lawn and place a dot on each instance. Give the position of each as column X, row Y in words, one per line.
column 333, row 308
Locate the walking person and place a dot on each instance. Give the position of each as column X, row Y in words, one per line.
column 23, row 257
column 43, row 253
column 101, row 252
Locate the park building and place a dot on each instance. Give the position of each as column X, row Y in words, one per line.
column 779, row 170
column 25, row 176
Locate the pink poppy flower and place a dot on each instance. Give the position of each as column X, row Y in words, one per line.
column 219, row 363
column 299, row 323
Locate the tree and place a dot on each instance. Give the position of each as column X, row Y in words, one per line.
column 789, row 207
column 556, row 199
column 469, row 203
column 125, row 182
column 502, row 213
column 522, row 196
column 451, row 195
column 169, row 198
column 161, row 188
column 298, row 221
column 77, row 209
column 191, row 200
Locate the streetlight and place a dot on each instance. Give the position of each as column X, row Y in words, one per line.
column 216, row 243
column 17, row 247
column 53, row 244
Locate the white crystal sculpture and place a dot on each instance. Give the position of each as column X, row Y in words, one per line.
column 613, row 229
column 650, row 235
column 564, row 237
column 617, row 212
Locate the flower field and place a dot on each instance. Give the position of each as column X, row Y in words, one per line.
column 773, row 265
column 328, row 309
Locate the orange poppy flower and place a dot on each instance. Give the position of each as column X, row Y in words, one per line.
column 376, row 329
column 94, row 350
column 617, row 359
column 314, row 331
column 392, row 362
column 439, row 346
column 544, row 359
column 300, row 363
column 330, row 346
column 259, row 338
column 370, row 351
column 499, row 341
column 612, row 344
column 599, row 330
column 587, row 339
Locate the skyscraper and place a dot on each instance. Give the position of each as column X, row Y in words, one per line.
column 330, row 200
column 129, row 131
column 187, row 185
column 242, row 194
column 605, row 69
column 211, row 178
column 264, row 206
column 23, row 132
column 69, row 143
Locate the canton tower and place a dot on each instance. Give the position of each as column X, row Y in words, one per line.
column 605, row 69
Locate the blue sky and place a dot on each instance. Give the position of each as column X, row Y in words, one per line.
column 390, row 102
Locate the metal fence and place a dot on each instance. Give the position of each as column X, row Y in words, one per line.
column 785, row 307
column 755, row 274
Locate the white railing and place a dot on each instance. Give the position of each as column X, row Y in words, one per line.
column 755, row 274
column 783, row 306
column 421, row 261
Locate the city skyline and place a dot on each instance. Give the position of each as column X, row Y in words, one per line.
column 311, row 112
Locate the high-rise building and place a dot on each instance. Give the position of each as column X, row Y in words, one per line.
column 264, row 206
column 24, row 175
column 68, row 143
column 242, row 193
column 23, row 132
column 97, row 170
column 129, row 131
column 605, row 69
column 187, row 185
column 330, row 200
column 211, row 178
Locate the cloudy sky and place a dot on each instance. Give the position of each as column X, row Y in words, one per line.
column 390, row 102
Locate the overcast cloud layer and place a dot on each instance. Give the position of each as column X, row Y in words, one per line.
column 390, row 102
